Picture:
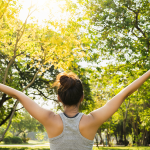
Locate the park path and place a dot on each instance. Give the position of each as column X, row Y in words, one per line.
column 5, row 145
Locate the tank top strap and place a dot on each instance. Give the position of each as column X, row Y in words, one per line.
column 78, row 119
column 74, row 121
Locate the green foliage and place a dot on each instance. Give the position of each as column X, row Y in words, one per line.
column 114, row 30
column 119, row 31
column 40, row 136
column 16, row 140
column 12, row 140
column 24, row 124
column 7, row 140
column 29, row 47
column 25, row 140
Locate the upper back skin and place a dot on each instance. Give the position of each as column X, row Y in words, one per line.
column 87, row 128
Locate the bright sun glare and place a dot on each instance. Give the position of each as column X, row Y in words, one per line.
column 47, row 10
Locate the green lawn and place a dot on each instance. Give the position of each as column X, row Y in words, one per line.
column 31, row 145
column 121, row 148
column 30, row 142
column 24, row 148
column 95, row 148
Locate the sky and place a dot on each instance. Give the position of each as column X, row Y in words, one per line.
column 45, row 10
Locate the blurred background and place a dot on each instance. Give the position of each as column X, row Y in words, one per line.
column 106, row 43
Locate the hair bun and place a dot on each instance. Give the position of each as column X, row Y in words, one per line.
column 67, row 81
column 69, row 88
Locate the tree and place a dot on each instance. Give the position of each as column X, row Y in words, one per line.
column 124, row 26
column 37, row 49
column 119, row 31
column 25, row 124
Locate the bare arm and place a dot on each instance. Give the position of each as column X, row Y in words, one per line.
column 39, row 113
column 102, row 114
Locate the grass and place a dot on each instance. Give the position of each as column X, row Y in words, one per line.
column 24, row 148
column 30, row 142
column 121, row 148
column 44, row 145
column 95, row 148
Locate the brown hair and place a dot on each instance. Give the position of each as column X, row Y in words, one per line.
column 70, row 89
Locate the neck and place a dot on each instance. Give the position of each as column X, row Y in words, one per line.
column 71, row 111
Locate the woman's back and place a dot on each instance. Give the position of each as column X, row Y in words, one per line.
column 71, row 137
column 87, row 127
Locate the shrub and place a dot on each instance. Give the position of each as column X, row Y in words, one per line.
column 13, row 140
column 25, row 140
column 7, row 140
column 16, row 140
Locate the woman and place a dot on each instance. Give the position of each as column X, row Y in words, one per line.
column 72, row 130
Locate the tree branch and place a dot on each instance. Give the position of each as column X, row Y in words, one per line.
column 8, row 116
column 26, row 42
column 16, row 103
column 4, row 98
column 41, row 93
column 138, row 28
column 15, row 49
column 134, row 33
column 19, row 108
column 131, row 9
column 5, row 10
column 136, row 24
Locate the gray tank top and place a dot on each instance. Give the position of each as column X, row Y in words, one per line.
column 70, row 138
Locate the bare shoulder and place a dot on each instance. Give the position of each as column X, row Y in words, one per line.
column 54, row 119
column 87, row 127
column 87, row 120
column 54, row 126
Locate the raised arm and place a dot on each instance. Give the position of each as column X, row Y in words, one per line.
column 39, row 113
column 102, row 114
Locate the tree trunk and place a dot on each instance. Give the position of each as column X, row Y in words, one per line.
column 137, row 141
column 124, row 131
column 124, row 122
column 99, row 132
column 18, row 133
column 108, row 138
column 143, row 137
column 134, row 129
column 96, row 138
column 116, row 138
